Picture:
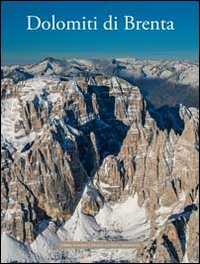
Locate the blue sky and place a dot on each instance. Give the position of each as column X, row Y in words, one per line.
column 22, row 46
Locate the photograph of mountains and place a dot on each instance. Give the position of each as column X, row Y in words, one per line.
column 100, row 136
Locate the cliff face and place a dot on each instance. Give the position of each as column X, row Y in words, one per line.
column 58, row 136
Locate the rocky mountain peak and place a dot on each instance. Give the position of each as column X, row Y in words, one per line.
column 86, row 147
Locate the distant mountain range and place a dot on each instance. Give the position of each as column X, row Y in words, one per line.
column 161, row 82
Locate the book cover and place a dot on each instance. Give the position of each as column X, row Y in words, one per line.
column 99, row 132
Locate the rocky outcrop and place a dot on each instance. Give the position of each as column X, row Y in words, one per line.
column 59, row 135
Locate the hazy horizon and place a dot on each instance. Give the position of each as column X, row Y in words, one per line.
column 97, row 58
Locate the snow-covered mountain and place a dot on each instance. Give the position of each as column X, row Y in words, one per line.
column 180, row 72
column 85, row 157
column 161, row 82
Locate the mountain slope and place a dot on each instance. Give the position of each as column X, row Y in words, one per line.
column 81, row 152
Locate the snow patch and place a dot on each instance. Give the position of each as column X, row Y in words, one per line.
column 13, row 250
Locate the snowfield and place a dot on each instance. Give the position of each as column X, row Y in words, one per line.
column 124, row 221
